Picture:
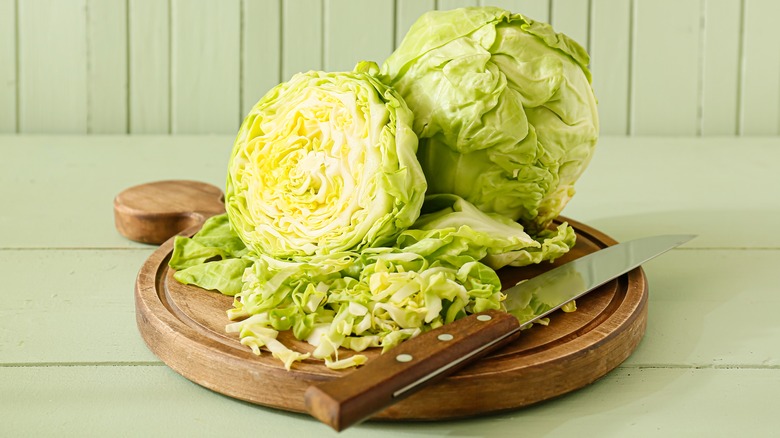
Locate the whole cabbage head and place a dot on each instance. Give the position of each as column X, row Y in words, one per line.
column 503, row 107
column 324, row 163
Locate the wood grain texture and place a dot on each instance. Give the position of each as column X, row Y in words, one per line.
column 610, row 51
column 150, row 66
column 302, row 45
column 261, row 43
column 107, row 67
column 184, row 327
column 52, row 66
column 665, row 67
column 8, row 81
column 205, row 74
column 720, row 72
column 406, row 13
column 154, row 212
column 760, row 88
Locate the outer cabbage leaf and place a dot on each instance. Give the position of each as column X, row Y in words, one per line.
column 325, row 163
column 451, row 228
column 221, row 275
column 216, row 240
column 504, row 110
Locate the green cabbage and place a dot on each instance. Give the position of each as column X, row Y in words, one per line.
column 324, row 163
column 377, row 297
column 329, row 233
column 503, row 107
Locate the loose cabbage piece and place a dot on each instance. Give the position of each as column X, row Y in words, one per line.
column 214, row 258
column 324, row 163
column 215, row 240
column 503, row 107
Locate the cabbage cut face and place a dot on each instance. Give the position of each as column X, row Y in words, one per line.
column 503, row 107
column 324, row 163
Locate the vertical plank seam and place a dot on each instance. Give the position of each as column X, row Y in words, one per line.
column 17, row 77
column 170, row 66
column 88, row 71
column 777, row 104
column 127, row 67
column 280, row 73
column 702, row 64
column 324, row 40
column 395, row 23
column 741, row 68
column 241, row 54
column 550, row 11
column 632, row 19
column 589, row 32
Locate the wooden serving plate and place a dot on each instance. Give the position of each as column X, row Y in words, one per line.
column 184, row 326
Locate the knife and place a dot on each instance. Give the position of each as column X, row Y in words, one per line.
column 430, row 356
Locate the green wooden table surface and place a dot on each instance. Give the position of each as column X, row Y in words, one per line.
column 72, row 362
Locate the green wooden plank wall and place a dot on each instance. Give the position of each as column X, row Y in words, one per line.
column 660, row 67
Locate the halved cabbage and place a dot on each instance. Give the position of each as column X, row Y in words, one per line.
column 324, row 163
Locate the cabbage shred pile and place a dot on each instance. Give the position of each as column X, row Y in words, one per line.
column 366, row 207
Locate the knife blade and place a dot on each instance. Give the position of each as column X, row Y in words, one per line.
column 428, row 357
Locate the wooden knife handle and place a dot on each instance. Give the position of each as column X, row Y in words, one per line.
column 397, row 373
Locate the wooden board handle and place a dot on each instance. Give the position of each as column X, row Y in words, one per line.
column 408, row 367
column 153, row 212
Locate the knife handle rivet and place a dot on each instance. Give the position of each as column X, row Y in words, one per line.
column 484, row 318
column 445, row 337
column 404, row 357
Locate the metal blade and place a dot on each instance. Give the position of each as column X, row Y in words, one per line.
column 541, row 295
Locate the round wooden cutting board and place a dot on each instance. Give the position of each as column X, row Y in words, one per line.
column 185, row 327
